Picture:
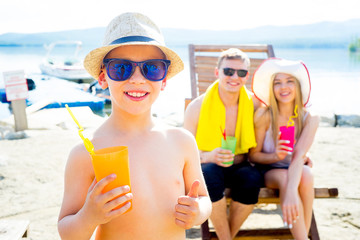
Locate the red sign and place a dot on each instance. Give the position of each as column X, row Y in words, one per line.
column 15, row 85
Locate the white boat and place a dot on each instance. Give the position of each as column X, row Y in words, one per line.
column 70, row 67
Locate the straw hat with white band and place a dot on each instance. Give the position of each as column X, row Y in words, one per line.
column 131, row 29
column 264, row 74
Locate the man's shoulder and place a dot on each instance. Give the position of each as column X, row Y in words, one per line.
column 196, row 103
column 194, row 107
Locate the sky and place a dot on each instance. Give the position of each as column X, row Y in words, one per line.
column 33, row 16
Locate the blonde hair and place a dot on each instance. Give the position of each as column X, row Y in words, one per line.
column 274, row 110
column 233, row 53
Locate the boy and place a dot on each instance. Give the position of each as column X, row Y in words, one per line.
column 164, row 162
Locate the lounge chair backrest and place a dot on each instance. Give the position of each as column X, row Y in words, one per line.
column 203, row 60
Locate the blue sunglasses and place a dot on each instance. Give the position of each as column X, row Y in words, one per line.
column 122, row 69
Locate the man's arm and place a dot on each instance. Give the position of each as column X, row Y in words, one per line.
column 192, row 113
column 217, row 155
column 256, row 103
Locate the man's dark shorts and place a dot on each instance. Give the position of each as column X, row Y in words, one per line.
column 244, row 181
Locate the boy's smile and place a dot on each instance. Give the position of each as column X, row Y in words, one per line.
column 136, row 95
column 128, row 94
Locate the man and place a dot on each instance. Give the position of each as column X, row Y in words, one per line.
column 226, row 109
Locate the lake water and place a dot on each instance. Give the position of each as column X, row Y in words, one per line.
column 335, row 77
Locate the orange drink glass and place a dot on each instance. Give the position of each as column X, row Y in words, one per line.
column 111, row 160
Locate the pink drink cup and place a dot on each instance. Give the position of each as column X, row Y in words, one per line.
column 288, row 133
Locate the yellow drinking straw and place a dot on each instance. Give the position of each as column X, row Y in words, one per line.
column 291, row 123
column 88, row 144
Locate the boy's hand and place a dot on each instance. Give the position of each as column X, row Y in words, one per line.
column 187, row 209
column 98, row 207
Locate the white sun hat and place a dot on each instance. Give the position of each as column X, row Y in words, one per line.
column 131, row 29
column 263, row 76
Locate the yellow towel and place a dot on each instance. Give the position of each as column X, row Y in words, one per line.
column 212, row 117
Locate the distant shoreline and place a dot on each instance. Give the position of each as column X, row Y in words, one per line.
column 290, row 46
column 317, row 35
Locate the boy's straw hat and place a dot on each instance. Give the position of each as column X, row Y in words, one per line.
column 131, row 29
column 264, row 74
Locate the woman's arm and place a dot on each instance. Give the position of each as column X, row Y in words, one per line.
column 290, row 206
column 302, row 147
column 261, row 124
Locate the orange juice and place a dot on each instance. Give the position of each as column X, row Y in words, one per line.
column 111, row 160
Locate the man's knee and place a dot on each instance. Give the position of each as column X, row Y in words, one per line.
column 247, row 196
column 246, row 185
column 249, row 177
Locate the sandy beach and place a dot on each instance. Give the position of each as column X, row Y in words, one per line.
column 32, row 170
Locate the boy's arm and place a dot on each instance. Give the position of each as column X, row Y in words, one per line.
column 84, row 206
column 72, row 223
column 195, row 207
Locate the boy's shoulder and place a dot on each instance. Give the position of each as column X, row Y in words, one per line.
column 171, row 130
column 79, row 159
column 178, row 135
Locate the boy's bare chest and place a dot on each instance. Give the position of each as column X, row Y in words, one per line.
column 155, row 163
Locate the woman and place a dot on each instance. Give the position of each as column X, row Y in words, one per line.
column 281, row 85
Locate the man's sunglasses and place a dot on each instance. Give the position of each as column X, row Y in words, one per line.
column 122, row 69
column 230, row 71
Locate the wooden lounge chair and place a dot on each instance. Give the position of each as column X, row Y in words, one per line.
column 13, row 229
column 203, row 60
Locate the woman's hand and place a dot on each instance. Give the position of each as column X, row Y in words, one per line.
column 290, row 207
column 98, row 207
column 281, row 149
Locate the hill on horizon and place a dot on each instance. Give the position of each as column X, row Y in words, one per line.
column 317, row 35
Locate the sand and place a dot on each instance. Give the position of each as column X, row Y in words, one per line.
column 32, row 169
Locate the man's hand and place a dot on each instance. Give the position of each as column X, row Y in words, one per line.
column 221, row 157
column 187, row 210
column 308, row 161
